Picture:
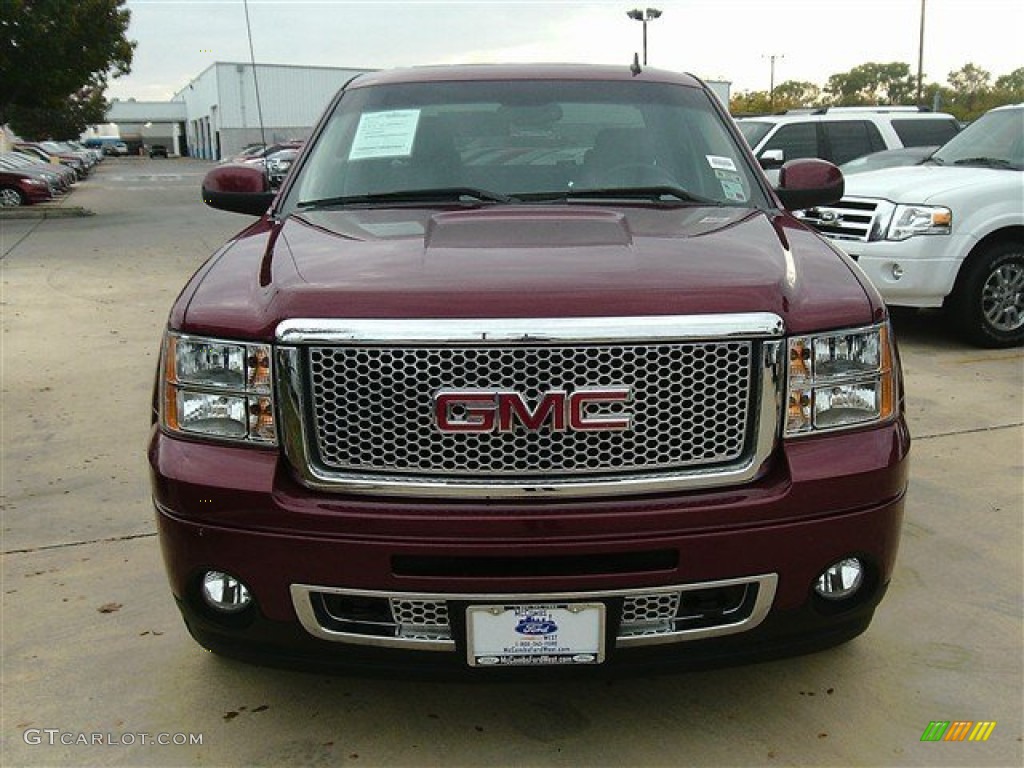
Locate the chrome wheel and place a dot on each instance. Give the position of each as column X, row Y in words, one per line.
column 1002, row 297
column 9, row 198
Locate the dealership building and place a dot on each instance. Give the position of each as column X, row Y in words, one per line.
column 221, row 110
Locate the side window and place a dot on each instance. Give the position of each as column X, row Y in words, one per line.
column 796, row 140
column 850, row 139
column 924, row 133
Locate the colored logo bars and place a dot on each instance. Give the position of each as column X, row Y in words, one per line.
column 958, row 730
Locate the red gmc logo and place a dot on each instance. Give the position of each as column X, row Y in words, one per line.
column 489, row 410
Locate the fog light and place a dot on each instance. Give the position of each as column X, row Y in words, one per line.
column 897, row 272
column 840, row 579
column 225, row 593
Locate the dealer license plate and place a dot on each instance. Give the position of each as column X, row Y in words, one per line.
column 531, row 635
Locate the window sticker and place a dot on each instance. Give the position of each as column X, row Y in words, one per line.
column 721, row 163
column 385, row 134
column 732, row 186
column 734, row 191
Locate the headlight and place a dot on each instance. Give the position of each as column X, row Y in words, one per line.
column 840, row 380
column 220, row 389
column 910, row 220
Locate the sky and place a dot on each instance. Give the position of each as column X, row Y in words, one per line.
column 715, row 39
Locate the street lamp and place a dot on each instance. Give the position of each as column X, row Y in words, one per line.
column 771, row 86
column 920, row 56
column 644, row 16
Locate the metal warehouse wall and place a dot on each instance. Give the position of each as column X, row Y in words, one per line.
column 222, row 108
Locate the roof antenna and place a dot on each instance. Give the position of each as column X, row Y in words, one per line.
column 255, row 80
column 635, row 66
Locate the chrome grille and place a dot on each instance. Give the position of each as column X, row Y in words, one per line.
column 372, row 407
column 641, row 609
column 419, row 613
column 850, row 219
column 652, row 615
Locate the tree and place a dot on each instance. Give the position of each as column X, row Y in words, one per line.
column 64, row 121
column 1011, row 87
column 750, row 103
column 53, row 50
column 872, row 83
column 795, row 93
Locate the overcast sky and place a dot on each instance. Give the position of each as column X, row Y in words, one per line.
column 715, row 39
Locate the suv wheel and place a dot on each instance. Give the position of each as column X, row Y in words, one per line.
column 11, row 197
column 988, row 305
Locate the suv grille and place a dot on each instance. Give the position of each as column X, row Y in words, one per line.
column 852, row 219
column 372, row 408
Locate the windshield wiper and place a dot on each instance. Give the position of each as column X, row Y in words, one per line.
column 991, row 162
column 661, row 193
column 466, row 195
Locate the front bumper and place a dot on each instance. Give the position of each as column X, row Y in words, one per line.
column 917, row 272
column 238, row 510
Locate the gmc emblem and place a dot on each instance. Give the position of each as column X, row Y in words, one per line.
column 490, row 410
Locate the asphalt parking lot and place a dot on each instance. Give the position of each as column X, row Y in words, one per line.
column 98, row 669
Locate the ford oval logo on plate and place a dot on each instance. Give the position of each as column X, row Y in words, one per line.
column 536, row 625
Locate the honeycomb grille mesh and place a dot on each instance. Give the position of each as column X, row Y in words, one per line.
column 639, row 609
column 372, row 408
column 419, row 613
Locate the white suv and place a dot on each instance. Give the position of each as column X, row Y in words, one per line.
column 840, row 134
column 946, row 233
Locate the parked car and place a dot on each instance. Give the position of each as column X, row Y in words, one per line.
column 21, row 188
column 73, row 162
column 63, row 149
column 158, row 150
column 13, row 161
column 841, row 134
column 96, row 152
column 527, row 367
column 887, row 158
column 66, row 174
column 108, row 145
column 948, row 232
column 257, row 154
column 278, row 165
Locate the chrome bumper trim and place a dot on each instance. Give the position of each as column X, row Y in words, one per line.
column 302, row 597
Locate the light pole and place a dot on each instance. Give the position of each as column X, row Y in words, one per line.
column 771, row 87
column 920, row 56
column 644, row 16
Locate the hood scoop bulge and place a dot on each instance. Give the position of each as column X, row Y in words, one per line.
column 525, row 228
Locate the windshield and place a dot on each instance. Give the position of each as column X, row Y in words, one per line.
column 995, row 139
column 753, row 131
column 524, row 141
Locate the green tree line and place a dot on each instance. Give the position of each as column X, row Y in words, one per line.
column 968, row 92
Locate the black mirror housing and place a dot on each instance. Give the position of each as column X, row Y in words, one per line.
column 239, row 189
column 809, row 182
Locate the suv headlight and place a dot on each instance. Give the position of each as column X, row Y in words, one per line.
column 218, row 389
column 910, row 220
column 841, row 380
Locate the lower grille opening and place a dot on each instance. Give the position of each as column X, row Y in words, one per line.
column 687, row 611
column 517, row 567
column 405, row 619
column 646, row 615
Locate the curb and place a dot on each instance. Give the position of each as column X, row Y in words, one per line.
column 36, row 212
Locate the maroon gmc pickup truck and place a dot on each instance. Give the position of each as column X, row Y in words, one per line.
column 527, row 367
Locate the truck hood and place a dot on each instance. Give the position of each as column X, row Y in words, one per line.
column 927, row 183
column 524, row 261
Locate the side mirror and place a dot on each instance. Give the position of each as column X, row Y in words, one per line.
column 808, row 182
column 772, row 158
column 238, row 188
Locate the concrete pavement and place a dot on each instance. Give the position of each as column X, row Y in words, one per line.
column 94, row 650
